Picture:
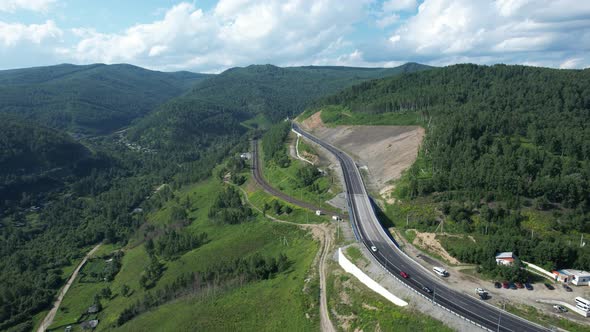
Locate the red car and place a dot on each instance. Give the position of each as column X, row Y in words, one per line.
column 505, row 284
column 404, row 275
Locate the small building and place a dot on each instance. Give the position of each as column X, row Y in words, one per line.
column 336, row 218
column 318, row 212
column 137, row 210
column 570, row 276
column 505, row 258
column 246, row 155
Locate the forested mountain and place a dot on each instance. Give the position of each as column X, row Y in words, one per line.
column 59, row 196
column 28, row 148
column 211, row 113
column 88, row 99
column 33, row 158
column 507, row 151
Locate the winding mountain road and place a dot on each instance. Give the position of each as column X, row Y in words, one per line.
column 389, row 255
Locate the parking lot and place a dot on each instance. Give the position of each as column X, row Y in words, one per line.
column 462, row 279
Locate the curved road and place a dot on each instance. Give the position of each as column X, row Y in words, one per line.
column 326, row 324
column 388, row 254
column 275, row 192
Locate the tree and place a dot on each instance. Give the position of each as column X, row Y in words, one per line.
column 106, row 293
column 125, row 290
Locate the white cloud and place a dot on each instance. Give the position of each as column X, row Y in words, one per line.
column 12, row 34
column 513, row 31
column 388, row 20
column 33, row 5
column 399, row 5
column 235, row 32
column 572, row 63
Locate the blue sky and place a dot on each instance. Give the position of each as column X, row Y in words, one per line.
column 213, row 35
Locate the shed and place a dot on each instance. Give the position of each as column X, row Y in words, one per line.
column 505, row 258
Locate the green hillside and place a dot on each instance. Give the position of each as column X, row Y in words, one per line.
column 34, row 158
column 211, row 113
column 88, row 99
column 507, row 155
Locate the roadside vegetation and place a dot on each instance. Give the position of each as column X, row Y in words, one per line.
column 356, row 307
column 296, row 178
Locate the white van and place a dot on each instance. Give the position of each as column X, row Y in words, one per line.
column 440, row 271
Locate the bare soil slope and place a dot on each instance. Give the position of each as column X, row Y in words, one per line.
column 386, row 151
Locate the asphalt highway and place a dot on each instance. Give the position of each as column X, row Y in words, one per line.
column 371, row 233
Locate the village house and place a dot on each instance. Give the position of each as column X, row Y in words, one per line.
column 505, row 258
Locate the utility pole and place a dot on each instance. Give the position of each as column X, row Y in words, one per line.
column 500, row 317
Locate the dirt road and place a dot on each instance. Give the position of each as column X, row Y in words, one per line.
column 51, row 314
column 322, row 232
column 257, row 174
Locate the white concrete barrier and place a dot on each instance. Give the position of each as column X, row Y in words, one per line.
column 544, row 272
column 349, row 267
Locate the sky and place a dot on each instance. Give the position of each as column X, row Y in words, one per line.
column 211, row 36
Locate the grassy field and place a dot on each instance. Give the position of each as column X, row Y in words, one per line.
column 222, row 311
column 534, row 315
column 358, row 308
column 299, row 215
column 338, row 115
column 286, row 180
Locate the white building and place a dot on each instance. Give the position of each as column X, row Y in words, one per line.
column 575, row 277
column 505, row 258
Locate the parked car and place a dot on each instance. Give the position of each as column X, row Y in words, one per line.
column 528, row 286
column 374, row 248
column 505, row 284
column 567, row 288
column 559, row 308
column 484, row 296
column 512, row 286
column 404, row 275
column 549, row 286
column 426, row 289
column 519, row 285
column 480, row 290
column 497, row 284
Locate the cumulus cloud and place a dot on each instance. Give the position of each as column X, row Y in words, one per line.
column 552, row 33
column 32, row 5
column 12, row 34
column 541, row 31
column 234, row 32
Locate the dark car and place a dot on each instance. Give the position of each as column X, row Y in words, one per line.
column 484, row 296
column 512, row 286
column 426, row 289
column 519, row 284
column 567, row 288
column 404, row 275
column 528, row 286
column 497, row 284
column 505, row 284
column 549, row 286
